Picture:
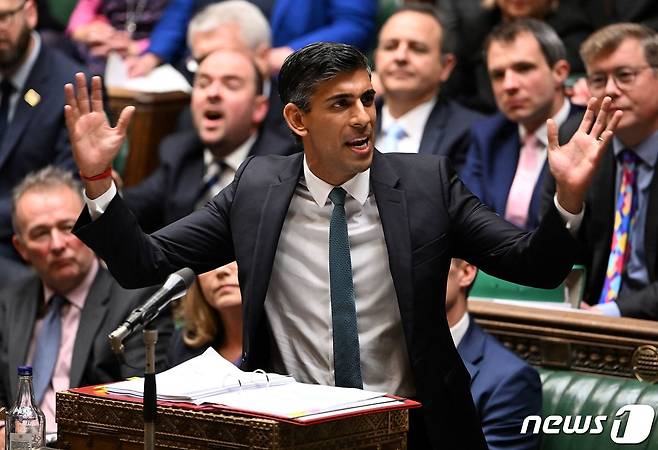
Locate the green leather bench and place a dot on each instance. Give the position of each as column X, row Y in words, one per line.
column 581, row 394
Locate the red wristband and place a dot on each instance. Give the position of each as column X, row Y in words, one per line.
column 107, row 173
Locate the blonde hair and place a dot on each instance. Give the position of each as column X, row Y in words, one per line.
column 606, row 40
column 201, row 322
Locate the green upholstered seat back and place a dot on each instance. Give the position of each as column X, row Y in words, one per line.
column 574, row 393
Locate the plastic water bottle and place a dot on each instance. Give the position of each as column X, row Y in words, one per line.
column 25, row 424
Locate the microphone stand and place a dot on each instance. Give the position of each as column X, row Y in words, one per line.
column 150, row 391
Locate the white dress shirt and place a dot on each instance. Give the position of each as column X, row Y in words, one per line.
column 298, row 301
column 412, row 122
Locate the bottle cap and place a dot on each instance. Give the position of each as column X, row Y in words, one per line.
column 24, row 370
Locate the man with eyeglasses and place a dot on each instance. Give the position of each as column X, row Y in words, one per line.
column 32, row 130
column 619, row 233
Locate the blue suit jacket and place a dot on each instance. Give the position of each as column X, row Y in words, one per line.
column 447, row 131
column 491, row 164
column 36, row 136
column 294, row 24
column 505, row 390
column 172, row 190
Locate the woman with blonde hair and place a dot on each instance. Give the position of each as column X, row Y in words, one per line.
column 211, row 313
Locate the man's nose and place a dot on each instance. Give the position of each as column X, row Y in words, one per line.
column 510, row 80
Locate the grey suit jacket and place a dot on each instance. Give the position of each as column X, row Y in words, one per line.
column 93, row 362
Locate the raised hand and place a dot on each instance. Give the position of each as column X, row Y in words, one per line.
column 573, row 165
column 95, row 143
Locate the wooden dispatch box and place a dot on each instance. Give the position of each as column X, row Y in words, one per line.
column 85, row 422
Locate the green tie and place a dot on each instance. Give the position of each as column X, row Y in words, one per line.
column 347, row 358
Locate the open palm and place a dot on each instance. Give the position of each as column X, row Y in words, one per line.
column 95, row 143
column 573, row 165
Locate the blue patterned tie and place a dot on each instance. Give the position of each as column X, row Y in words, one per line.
column 347, row 358
column 47, row 347
column 394, row 133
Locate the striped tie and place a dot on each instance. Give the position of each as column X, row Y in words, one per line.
column 620, row 248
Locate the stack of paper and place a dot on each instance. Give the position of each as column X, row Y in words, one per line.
column 209, row 378
column 199, row 378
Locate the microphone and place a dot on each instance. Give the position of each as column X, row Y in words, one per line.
column 175, row 286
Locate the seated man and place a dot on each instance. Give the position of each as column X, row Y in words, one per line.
column 620, row 227
column 227, row 109
column 58, row 320
column 506, row 162
column 32, row 130
column 414, row 58
column 505, row 388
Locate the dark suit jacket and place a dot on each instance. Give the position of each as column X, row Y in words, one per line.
column 447, row 131
column 171, row 191
column 595, row 235
column 93, row 362
column 427, row 217
column 491, row 165
column 505, row 390
column 36, row 136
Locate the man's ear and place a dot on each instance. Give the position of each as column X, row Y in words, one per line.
column 20, row 247
column 468, row 273
column 261, row 106
column 295, row 119
column 448, row 62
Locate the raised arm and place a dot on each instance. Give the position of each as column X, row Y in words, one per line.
column 573, row 165
column 94, row 142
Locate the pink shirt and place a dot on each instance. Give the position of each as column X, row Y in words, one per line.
column 70, row 321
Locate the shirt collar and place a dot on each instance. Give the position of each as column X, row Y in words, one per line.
column 647, row 150
column 413, row 121
column 540, row 133
column 458, row 331
column 358, row 186
column 78, row 294
column 19, row 78
column 236, row 157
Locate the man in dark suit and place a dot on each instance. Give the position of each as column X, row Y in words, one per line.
column 506, row 162
column 622, row 265
column 32, row 131
column 70, row 288
column 413, row 59
column 505, row 388
column 404, row 218
column 228, row 109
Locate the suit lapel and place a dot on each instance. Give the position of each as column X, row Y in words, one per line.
column 24, row 112
column 506, row 161
column 392, row 205
column 471, row 348
column 272, row 215
column 23, row 314
column 91, row 318
column 434, row 131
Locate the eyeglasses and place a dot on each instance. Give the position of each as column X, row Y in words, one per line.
column 7, row 17
column 623, row 77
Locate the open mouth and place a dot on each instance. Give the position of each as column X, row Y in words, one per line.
column 213, row 115
column 359, row 144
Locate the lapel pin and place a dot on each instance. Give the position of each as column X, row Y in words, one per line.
column 32, row 97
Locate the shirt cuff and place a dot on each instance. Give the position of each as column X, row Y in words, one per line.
column 572, row 221
column 98, row 205
column 609, row 309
